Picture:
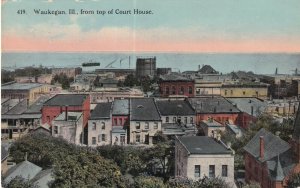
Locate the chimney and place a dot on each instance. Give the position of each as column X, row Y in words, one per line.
column 261, row 147
column 251, row 110
column 66, row 113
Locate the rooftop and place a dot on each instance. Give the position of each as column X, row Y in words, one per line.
column 211, row 123
column 72, row 116
column 20, row 86
column 37, row 106
column 207, row 69
column 273, row 145
column 143, row 109
column 66, row 100
column 174, row 77
column 101, row 111
column 175, row 107
column 203, row 145
column 246, row 105
column 120, row 107
column 212, row 105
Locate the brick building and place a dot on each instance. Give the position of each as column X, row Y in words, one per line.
column 270, row 160
column 62, row 102
column 216, row 108
column 175, row 84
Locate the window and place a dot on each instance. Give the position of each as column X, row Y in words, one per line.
column 115, row 121
column 179, row 119
column 102, row 125
column 94, row 126
column 103, row 137
column 146, row 125
column 197, row 171
column 174, row 119
column 99, row 138
column 173, row 90
column 167, row 119
column 185, row 120
column 120, row 122
column 181, row 90
column 224, row 170
column 167, row 90
column 137, row 125
column 231, row 92
column 93, row 140
column 244, row 92
column 155, row 126
column 55, row 130
column 225, row 92
column 138, row 138
column 211, row 171
column 190, row 90
column 191, row 120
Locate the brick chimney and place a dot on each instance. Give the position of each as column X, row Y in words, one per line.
column 66, row 114
column 261, row 147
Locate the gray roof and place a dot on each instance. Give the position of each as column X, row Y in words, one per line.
column 18, row 109
column 20, row 86
column 25, row 169
column 4, row 151
column 72, row 116
column 212, row 123
column 203, row 145
column 234, row 128
column 9, row 104
column 273, row 145
column 120, row 107
column 245, row 104
column 207, row 69
column 175, row 107
column 176, row 129
column 36, row 107
column 212, row 105
column 66, row 100
column 101, row 111
column 108, row 81
column 43, row 178
column 174, row 77
column 296, row 134
column 143, row 109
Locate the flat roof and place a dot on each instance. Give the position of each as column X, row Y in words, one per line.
column 20, row 86
column 66, row 100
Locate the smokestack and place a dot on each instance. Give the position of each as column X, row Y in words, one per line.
column 66, row 113
column 261, row 147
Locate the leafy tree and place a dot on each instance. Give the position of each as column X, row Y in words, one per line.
column 74, row 166
column 252, row 185
column 63, row 80
column 19, row 182
column 7, row 76
column 294, row 181
column 205, row 182
column 148, row 182
column 131, row 81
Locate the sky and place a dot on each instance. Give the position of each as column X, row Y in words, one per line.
column 226, row 26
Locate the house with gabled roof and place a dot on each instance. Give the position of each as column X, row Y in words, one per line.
column 269, row 160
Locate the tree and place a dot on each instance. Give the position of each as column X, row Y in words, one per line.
column 74, row 166
column 131, row 81
column 252, row 185
column 205, row 182
column 148, row 182
column 294, row 181
column 19, row 182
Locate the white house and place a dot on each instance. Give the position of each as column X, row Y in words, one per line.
column 199, row 156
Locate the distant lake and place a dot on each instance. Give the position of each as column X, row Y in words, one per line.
column 262, row 63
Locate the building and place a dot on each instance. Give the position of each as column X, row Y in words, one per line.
column 176, row 111
column 145, row 67
column 117, row 72
column 120, row 113
column 282, row 107
column 145, row 121
column 234, row 130
column 251, row 109
column 270, row 160
column 100, row 95
column 119, row 136
column 100, row 125
column 29, row 171
column 211, row 127
column 69, row 126
column 176, row 129
column 200, row 156
column 210, row 85
column 66, row 102
column 108, row 83
column 176, row 85
column 251, row 89
column 69, row 72
column 163, row 71
column 204, row 70
column 29, row 91
column 217, row 108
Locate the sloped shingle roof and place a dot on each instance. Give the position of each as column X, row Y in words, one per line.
column 143, row 109
column 174, row 107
